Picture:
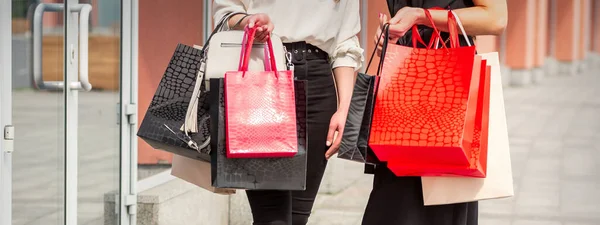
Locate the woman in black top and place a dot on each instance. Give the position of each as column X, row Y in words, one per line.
column 399, row 200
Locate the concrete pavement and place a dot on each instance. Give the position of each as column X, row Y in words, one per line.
column 554, row 130
column 553, row 126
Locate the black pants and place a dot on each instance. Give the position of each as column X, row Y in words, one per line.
column 399, row 201
column 294, row 207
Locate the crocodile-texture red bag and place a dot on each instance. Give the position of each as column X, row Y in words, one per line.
column 260, row 108
column 426, row 105
column 477, row 166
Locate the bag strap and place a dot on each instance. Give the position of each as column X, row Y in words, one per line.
column 454, row 23
column 416, row 36
column 385, row 30
column 218, row 28
column 247, row 44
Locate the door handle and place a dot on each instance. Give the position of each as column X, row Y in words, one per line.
column 84, row 16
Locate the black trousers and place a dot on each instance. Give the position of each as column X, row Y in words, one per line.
column 399, row 201
column 294, row 207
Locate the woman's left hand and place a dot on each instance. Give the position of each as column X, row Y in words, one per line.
column 336, row 129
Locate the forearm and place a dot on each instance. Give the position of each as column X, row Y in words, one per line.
column 344, row 79
column 488, row 17
column 235, row 19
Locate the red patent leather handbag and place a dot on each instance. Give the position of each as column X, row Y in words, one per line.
column 260, row 108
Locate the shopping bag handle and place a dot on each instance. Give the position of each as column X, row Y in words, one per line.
column 416, row 36
column 247, row 43
column 385, row 30
column 452, row 16
column 454, row 24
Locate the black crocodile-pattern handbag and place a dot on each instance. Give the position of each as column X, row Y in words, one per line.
column 161, row 127
column 257, row 173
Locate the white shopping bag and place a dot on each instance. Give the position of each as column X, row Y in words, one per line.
column 498, row 182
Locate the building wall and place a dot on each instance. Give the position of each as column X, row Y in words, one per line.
column 163, row 25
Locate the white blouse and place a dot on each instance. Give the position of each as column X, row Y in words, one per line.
column 329, row 25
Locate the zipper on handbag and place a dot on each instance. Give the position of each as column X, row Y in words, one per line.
column 231, row 45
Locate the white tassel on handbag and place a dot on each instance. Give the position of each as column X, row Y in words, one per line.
column 191, row 116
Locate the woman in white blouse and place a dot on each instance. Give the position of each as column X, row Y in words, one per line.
column 321, row 35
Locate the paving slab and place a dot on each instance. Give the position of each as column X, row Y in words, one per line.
column 554, row 128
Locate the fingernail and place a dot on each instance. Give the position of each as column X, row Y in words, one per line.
column 380, row 15
column 328, row 143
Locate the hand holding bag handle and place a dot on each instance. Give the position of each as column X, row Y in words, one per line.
column 248, row 41
column 453, row 24
column 416, row 36
column 245, row 95
column 385, row 30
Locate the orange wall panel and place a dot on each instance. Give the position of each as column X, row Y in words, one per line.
column 593, row 25
column 596, row 26
column 520, row 34
column 373, row 10
column 566, row 35
column 584, row 19
column 550, row 14
column 541, row 34
column 163, row 24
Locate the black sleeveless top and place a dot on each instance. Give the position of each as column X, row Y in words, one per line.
column 395, row 5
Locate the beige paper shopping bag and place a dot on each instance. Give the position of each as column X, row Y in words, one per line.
column 498, row 182
column 196, row 172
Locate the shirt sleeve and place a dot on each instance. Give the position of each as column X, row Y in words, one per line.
column 347, row 51
column 222, row 7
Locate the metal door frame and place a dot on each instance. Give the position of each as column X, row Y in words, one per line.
column 127, row 200
column 5, row 111
column 128, row 112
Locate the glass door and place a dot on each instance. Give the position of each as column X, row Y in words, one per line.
column 62, row 156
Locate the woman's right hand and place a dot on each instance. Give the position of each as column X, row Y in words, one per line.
column 263, row 24
column 404, row 19
column 379, row 43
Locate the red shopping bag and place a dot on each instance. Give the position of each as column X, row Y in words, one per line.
column 426, row 103
column 477, row 166
column 260, row 108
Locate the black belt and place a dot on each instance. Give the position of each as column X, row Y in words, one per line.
column 302, row 50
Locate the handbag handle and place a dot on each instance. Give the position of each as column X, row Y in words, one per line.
column 247, row 43
column 218, row 28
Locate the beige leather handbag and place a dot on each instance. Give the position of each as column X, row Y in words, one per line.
column 222, row 55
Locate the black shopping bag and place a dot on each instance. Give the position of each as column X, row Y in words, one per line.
column 256, row 173
column 355, row 139
column 162, row 125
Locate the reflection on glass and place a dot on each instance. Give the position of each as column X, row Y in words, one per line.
column 38, row 160
column 39, row 118
column 98, row 121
